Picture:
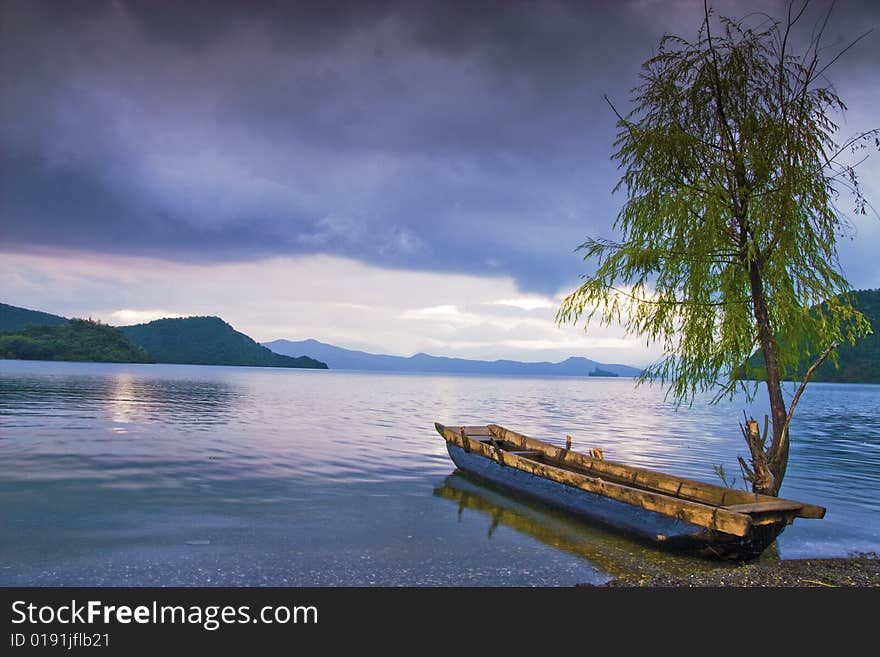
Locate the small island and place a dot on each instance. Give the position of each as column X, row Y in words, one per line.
column 600, row 372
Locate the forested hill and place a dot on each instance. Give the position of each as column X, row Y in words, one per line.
column 857, row 364
column 13, row 318
column 77, row 339
column 207, row 341
column 34, row 335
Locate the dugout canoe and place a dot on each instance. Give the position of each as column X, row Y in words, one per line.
column 678, row 513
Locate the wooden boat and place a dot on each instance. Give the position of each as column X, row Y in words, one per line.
column 675, row 512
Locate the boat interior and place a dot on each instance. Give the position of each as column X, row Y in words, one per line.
column 761, row 508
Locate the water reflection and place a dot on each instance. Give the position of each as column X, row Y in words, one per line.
column 615, row 554
column 127, row 398
column 84, row 446
column 118, row 428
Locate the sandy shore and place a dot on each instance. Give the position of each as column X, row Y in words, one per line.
column 860, row 570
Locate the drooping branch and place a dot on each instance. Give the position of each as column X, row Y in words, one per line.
column 735, row 379
column 731, row 171
column 672, row 181
column 677, row 302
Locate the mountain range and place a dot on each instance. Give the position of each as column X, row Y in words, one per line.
column 349, row 359
column 34, row 335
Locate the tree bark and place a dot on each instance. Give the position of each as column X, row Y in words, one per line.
column 758, row 472
column 777, row 453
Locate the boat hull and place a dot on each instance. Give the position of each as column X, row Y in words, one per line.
column 637, row 522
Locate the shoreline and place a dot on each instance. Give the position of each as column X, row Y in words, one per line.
column 859, row 570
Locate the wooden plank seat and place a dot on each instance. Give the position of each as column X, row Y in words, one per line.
column 759, row 507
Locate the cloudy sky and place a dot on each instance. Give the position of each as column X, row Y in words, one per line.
column 394, row 176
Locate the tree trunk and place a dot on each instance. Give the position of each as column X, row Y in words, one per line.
column 775, row 459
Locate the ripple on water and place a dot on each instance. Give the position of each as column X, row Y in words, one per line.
column 110, row 469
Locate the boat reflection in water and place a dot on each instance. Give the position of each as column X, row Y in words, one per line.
column 616, row 554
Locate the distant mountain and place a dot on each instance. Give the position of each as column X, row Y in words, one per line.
column 857, row 364
column 77, row 339
column 207, row 341
column 349, row 359
column 13, row 318
column 34, row 335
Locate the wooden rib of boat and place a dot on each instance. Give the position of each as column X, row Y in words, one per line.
column 680, row 513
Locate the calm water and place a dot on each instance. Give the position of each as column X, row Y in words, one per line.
column 188, row 475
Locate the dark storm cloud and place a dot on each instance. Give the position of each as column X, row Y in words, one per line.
column 450, row 136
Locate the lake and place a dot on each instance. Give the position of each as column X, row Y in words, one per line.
column 161, row 475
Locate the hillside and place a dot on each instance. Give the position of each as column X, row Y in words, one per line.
column 13, row 318
column 857, row 364
column 349, row 359
column 207, row 341
column 78, row 339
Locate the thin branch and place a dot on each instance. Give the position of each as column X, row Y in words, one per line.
column 716, row 257
column 730, row 385
column 717, row 79
column 695, row 138
column 815, row 41
column 674, row 302
column 800, row 391
column 841, row 53
column 849, row 143
column 671, row 181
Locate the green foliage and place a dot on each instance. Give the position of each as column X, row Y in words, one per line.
column 730, row 168
column 207, row 341
column 727, row 480
column 78, row 340
column 858, row 363
column 193, row 340
column 13, row 318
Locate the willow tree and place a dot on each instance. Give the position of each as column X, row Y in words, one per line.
column 732, row 174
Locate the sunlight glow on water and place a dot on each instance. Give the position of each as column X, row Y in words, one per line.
column 167, row 474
